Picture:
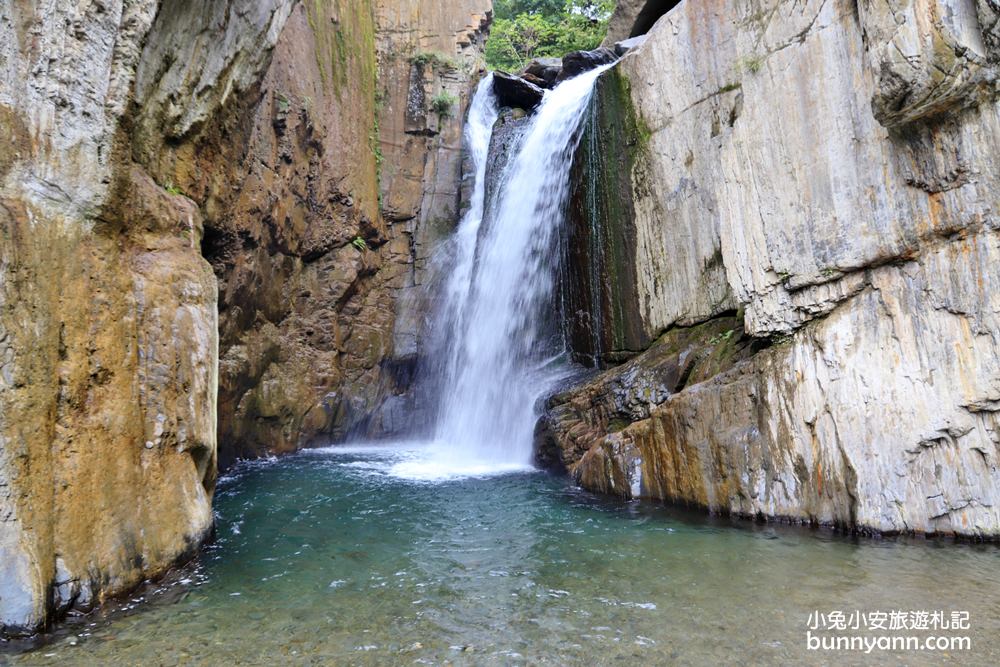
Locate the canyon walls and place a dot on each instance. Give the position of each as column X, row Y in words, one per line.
column 807, row 224
column 318, row 187
column 194, row 264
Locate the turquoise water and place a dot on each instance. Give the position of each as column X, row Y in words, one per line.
column 329, row 558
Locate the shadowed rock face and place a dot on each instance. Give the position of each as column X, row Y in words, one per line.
column 516, row 92
column 579, row 62
column 856, row 233
column 633, row 18
column 154, row 145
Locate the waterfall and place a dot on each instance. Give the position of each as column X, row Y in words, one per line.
column 496, row 327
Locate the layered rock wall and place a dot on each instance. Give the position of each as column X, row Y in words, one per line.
column 147, row 146
column 108, row 390
column 829, row 173
column 430, row 56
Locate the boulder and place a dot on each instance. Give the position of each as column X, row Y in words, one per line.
column 626, row 45
column 579, row 62
column 536, row 80
column 545, row 69
column 513, row 91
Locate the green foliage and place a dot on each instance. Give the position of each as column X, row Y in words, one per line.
column 284, row 104
column 359, row 243
column 173, row 189
column 722, row 337
column 752, row 64
column 527, row 29
column 442, row 104
column 434, row 59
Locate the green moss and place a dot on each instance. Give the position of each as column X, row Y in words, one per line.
column 604, row 214
column 617, row 424
column 752, row 64
column 346, row 59
column 434, row 59
column 343, row 45
column 284, row 104
column 443, row 104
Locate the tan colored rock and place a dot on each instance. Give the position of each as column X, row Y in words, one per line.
column 136, row 138
column 425, row 50
column 108, row 322
column 851, row 201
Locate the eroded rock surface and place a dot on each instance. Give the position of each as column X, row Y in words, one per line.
column 517, row 92
column 834, row 180
column 108, row 322
column 294, row 151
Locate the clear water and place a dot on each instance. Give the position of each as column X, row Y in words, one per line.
column 330, row 558
column 496, row 323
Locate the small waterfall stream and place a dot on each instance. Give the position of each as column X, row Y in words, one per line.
column 498, row 322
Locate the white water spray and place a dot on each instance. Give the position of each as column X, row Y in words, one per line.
column 496, row 323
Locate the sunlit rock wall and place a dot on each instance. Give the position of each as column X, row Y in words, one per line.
column 193, row 244
column 828, row 172
column 108, row 317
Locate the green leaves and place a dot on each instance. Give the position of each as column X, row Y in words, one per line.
column 527, row 29
column 442, row 104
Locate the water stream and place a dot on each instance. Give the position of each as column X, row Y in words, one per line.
column 423, row 554
column 328, row 558
column 501, row 344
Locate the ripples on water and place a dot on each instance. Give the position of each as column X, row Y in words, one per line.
column 381, row 556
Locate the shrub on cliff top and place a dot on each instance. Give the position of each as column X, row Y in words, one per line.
column 527, row 29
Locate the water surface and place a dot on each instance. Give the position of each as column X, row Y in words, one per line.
column 344, row 557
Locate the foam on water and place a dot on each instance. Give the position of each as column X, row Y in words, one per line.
column 418, row 461
column 501, row 347
column 317, row 561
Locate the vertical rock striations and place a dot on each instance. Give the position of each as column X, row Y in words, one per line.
column 429, row 55
column 146, row 146
column 829, row 173
column 108, row 323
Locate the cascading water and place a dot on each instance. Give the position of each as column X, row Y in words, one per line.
column 496, row 323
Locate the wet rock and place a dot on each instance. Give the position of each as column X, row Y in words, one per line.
column 873, row 402
column 514, row 91
column 507, row 133
column 544, row 70
column 579, row 62
column 160, row 150
column 580, row 417
column 626, row 45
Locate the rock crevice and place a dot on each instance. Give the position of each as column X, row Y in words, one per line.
column 855, row 233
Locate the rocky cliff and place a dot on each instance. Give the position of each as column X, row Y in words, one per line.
column 803, row 235
column 192, row 243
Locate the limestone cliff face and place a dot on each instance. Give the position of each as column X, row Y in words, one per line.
column 427, row 52
column 291, row 179
column 108, row 323
column 829, row 173
column 192, row 240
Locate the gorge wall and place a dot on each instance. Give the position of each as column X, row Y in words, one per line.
column 194, row 263
column 803, row 236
